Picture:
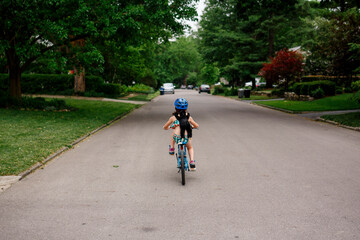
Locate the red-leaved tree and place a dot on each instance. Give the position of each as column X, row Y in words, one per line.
column 285, row 67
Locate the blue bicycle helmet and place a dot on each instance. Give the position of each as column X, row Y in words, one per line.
column 181, row 104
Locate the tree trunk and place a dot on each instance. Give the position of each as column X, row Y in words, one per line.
column 15, row 82
column 79, row 84
column 14, row 73
column 271, row 42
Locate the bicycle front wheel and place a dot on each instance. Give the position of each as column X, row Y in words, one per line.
column 182, row 167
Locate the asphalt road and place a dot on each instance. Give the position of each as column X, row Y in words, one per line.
column 261, row 174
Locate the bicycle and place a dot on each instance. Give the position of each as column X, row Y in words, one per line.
column 182, row 160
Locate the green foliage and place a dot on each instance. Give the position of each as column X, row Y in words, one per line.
column 193, row 79
column 279, row 92
column 176, row 60
column 335, row 47
column 240, row 35
column 140, row 88
column 356, row 85
column 348, row 90
column 218, row 90
column 63, row 84
column 339, row 90
column 317, row 93
column 307, row 88
column 30, row 103
column 210, row 74
column 31, row 28
column 231, row 91
column 356, row 97
column 46, row 83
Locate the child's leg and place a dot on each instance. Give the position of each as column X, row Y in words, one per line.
column 191, row 150
column 172, row 141
column 172, row 144
column 191, row 155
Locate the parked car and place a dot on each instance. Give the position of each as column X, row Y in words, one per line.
column 204, row 88
column 257, row 84
column 190, row 86
column 183, row 87
column 168, row 88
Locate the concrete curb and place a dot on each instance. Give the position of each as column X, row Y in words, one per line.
column 275, row 108
column 42, row 163
column 337, row 124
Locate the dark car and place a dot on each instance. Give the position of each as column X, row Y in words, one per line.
column 204, row 88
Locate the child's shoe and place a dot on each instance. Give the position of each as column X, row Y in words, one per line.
column 171, row 150
column 192, row 165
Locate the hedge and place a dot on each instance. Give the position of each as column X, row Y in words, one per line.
column 218, row 89
column 307, row 88
column 62, row 84
column 336, row 79
column 231, row 91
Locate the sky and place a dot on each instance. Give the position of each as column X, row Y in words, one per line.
column 200, row 8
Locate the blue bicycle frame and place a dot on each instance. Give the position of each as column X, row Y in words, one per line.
column 182, row 148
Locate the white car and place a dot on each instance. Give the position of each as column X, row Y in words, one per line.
column 257, row 84
column 204, row 88
column 168, row 88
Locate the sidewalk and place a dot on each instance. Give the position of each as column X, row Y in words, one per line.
column 316, row 115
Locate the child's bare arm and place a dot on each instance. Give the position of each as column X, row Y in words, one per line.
column 168, row 123
column 193, row 123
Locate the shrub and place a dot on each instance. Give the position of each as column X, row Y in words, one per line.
column 356, row 97
column 317, row 93
column 92, row 93
column 218, row 89
column 339, row 90
column 230, row 91
column 306, row 88
column 93, row 83
column 348, row 90
column 140, row 88
column 46, row 83
column 109, row 89
column 356, row 85
column 278, row 92
column 63, row 84
column 32, row 103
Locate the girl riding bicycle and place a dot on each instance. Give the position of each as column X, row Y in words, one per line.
column 182, row 123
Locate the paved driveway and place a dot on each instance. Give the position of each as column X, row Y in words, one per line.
column 261, row 174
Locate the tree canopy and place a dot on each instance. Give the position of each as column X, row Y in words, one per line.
column 32, row 28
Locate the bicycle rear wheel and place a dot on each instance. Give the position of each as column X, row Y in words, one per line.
column 182, row 167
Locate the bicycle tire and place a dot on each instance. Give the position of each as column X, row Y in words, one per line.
column 182, row 167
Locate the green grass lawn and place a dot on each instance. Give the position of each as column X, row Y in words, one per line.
column 339, row 102
column 27, row 137
column 349, row 119
column 252, row 97
column 144, row 97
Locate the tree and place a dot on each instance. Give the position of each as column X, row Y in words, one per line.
column 334, row 50
column 32, row 28
column 341, row 5
column 210, row 74
column 285, row 67
column 240, row 35
column 176, row 60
